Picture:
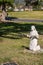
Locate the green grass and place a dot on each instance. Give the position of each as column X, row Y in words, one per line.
column 27, row 14
column 13, row 45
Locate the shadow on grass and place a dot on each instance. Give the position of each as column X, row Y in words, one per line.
column 25, row 47
column 11, row 18
column 9, row 63
column 14, row 30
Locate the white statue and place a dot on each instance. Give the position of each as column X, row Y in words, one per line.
column 34, row 39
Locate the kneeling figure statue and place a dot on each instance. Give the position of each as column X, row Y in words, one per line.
column 34, row 39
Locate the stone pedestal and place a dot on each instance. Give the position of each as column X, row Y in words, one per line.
column 3, row 15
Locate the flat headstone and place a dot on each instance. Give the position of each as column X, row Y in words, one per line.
column 16, row 10
column 41, row 50
column 22, row 10
column 30, row 51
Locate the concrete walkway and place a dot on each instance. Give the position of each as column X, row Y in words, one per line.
column 23, row 19
column 28, row 20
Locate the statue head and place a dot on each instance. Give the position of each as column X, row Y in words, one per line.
column 33, row 27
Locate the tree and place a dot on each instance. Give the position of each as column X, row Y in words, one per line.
column 3, row 5
column 11, row 1
column 27, row 2
column 31, row 2
column 34, row 2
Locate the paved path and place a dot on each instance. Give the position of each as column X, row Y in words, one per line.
column 23, row 19
column 29, row 20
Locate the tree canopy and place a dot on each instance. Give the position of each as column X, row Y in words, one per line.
column 11, row 1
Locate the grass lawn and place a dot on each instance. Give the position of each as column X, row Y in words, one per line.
column 27, row 14
column 13, row 45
